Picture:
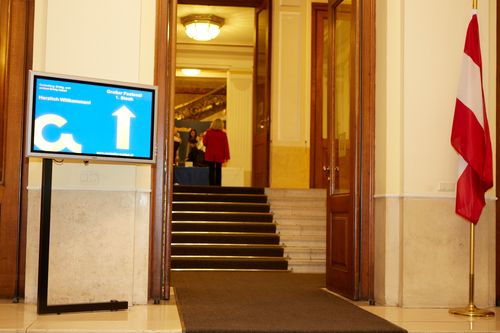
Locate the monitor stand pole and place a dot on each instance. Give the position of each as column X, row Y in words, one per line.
column 43, row 258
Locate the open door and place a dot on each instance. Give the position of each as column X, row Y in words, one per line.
column 319, row 93
column 342, row 266
column 262, row 100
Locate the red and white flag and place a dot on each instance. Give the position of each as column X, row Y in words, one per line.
column 470, row 135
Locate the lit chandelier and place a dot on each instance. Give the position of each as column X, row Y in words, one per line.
column 202, row 27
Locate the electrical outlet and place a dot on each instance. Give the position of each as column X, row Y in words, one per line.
column 89, row 178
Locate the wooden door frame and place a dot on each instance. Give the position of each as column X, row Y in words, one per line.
column 367, row 214
column 365, row 180
column 261, row 161
column 162, row 174
column 162, row 183
column 17, row 55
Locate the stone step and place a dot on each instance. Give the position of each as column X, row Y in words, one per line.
column 221, row 216
column 300, row 216
column 223, row 226
column 297, row 203
column 217, row 189
column 300, row 220
column 295, row 193
column 224, row 237
column 228, row 262
column 220, row 197
column 301, row 229
column 303, row 240
column 262, row 250
column 307, row 266
column 295, row 212
column 220, row 206
column 306, row 253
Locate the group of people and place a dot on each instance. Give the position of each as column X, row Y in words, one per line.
column 209, row 149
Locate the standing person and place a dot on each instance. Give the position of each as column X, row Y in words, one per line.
column 192, row 146
column 177, row 143
column 217, row 151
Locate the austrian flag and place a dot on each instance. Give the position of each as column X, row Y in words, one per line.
column 470, row 135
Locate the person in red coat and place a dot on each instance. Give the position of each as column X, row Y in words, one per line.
column 217, row 151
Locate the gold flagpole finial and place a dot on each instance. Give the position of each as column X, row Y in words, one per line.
column 474, row 4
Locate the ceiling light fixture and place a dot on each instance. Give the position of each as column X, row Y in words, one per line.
column 202, row 27
column 190, row 71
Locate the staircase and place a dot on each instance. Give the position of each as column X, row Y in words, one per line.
column 300, row 216
column 224, row 228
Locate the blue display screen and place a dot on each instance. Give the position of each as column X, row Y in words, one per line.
column 92, row 119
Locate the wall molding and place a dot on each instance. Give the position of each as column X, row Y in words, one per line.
column 424, row 196
column 92, row 189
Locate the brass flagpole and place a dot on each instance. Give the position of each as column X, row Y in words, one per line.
column 471, row 310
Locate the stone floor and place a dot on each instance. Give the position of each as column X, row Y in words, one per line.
column 16, row 318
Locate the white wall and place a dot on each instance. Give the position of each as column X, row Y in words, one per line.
column 423, row 244
column 290, row 93
column 239, row 123
column 99, row 211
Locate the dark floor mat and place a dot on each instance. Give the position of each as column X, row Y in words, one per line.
column 248, row 302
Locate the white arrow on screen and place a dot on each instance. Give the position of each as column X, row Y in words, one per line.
column 123, row 116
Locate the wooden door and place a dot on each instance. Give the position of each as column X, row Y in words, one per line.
column 15, row 40
column 319, row 79
column 342, row 267
column 262, row 100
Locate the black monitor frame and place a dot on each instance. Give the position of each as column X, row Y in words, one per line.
column 31, row 151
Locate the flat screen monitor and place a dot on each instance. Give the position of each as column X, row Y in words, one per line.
column 90, row 119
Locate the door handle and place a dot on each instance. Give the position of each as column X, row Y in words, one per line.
column 326, row 170
column 263, row 123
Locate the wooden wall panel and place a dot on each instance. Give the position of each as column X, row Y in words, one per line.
column 4, row 40
column 15, row 54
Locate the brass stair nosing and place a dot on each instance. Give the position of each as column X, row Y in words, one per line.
column 217, row 257
column 243, row 245
column 225, row 203
column 219, row 212
column 267, row 234
column 231, row 269
column 227, row 222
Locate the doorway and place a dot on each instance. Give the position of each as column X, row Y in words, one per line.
column 165, row 70
column 364, row 276
column 221, row 87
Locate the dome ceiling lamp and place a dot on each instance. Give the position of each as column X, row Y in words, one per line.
column 202, row 27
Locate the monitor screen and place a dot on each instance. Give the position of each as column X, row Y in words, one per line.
column 90, row 119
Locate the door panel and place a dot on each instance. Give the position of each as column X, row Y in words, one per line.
column 262, row 81
column 338, row 236
column 342, row 268
column 319, row 110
